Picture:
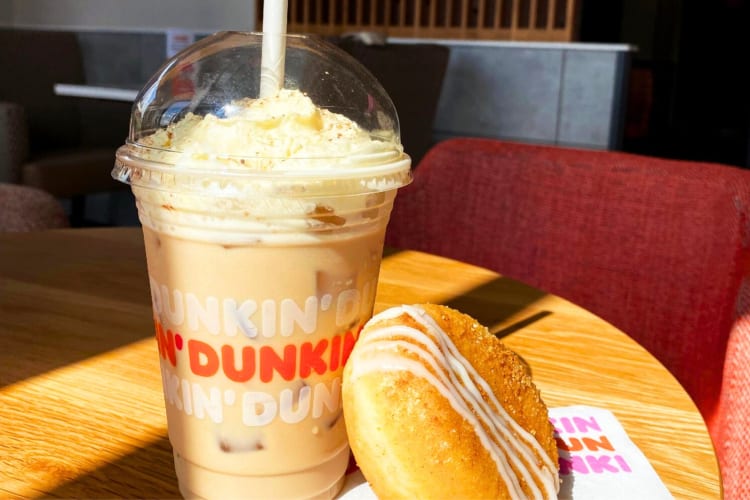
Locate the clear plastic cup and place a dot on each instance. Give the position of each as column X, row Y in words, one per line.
column 263, row 258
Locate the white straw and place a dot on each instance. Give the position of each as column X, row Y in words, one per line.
column 274, row 47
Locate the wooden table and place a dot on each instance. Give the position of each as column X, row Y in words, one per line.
column 81, row 407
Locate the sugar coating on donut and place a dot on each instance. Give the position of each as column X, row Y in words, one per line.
column 437, row 407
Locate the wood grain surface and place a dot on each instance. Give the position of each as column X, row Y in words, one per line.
column 81, row 407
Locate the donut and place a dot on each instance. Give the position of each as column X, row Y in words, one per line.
column 435, row 406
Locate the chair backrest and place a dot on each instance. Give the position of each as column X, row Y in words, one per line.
column 659, row 248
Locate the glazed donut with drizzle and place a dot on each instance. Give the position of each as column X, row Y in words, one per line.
column 435, row 406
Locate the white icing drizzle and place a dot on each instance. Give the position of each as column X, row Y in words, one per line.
column 454, row 377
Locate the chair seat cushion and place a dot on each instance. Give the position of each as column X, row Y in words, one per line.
column 24, row 208
column 72, row 172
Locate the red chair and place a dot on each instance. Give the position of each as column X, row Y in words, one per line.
column 659, row 248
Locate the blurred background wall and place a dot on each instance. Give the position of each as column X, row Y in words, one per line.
column 139, row 15
column 687, row 90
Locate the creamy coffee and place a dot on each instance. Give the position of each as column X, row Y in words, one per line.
column 253, row 340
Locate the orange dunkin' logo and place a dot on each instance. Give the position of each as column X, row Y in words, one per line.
column 241, row 364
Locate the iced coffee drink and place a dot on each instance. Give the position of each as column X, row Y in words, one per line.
column 263, row 220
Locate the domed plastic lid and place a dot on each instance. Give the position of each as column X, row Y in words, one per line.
column 202, row 113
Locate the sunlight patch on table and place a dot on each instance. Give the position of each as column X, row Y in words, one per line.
column 127, row 378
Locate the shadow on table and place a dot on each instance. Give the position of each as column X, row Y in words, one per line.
column 481, row 303
column 83, row 296
column 493, row 302
column 521, row 324
column 148, row 472
column 30, row 351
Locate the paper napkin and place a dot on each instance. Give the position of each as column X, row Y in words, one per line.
column 597, row 460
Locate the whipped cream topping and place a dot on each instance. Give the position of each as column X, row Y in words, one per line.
column 454, row 377
column 260, row 134
column 272, row 170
